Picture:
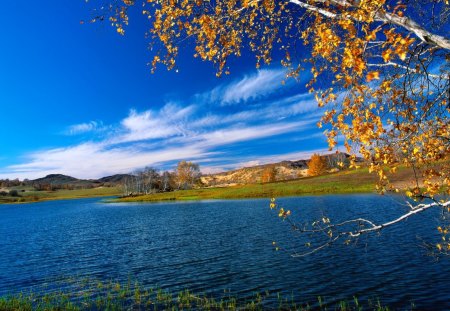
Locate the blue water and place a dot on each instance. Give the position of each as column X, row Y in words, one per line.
column 212, row 246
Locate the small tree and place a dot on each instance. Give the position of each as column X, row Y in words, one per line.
column 187, row 174
column 151, row 179
column 317, row 165
column 269, row 174
column 14, row 193
column 166, row 181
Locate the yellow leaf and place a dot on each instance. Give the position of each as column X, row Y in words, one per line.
column 373, row 75
column 386, row 55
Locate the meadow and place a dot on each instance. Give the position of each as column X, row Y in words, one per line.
column 348, row 181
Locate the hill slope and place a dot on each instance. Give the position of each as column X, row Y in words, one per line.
column 64, row 181
column 285, row 170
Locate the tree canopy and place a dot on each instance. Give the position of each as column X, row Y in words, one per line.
column 187, row 174
column 317, row 165
column 380, row 69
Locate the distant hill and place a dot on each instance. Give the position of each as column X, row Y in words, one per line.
column 58, row 179
column 115, row 179
column 55, row 181
column 285, row 170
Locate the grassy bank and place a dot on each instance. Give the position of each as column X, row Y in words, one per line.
column 343, row 182
column 88, row 295
column 349, row 181
column 29, row 195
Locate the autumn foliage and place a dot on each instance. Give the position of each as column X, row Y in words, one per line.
column 269, row 174
column 317, row 165
column 377, row 66
column 187, row 174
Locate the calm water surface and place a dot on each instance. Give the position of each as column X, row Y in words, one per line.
column 212, row 246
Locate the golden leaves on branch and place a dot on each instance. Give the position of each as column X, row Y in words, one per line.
column 282, row 213
column 218, row 29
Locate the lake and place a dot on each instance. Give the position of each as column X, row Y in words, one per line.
column 216, row 246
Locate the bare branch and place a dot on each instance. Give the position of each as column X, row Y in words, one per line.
column 388, row 64
column 310, row 7
column 316, row 249
column 333, row 234
column 414, row 210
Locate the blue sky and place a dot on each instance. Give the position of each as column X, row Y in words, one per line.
column 79, row 99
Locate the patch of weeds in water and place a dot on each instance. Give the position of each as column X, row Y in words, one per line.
column 101, row 295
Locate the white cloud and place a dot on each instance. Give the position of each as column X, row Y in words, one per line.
column 169, row 121
column 261, row 84
column 91, row 160
column 173, row 132
column 251, row 87
column 98, row 159
column 82, row 128
column 233, row 135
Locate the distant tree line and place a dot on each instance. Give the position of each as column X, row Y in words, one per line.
column 186, row 175
column 49, row 185
column 6, row 183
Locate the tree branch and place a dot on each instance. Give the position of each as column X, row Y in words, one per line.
column 313, row 8
column 414, row 210
column 418, row 30
column 385, row 17
column 410, row 69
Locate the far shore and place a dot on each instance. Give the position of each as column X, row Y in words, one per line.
column 344, row 182
column 41, row 196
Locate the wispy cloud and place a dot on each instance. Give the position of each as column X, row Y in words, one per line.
column 167, row 122
column 261, row 84
column 251, row 87
column 83, row 128
column 176, row 131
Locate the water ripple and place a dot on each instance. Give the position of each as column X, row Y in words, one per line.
column 218, row 246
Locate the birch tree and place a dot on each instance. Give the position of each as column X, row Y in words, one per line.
column 187, row 174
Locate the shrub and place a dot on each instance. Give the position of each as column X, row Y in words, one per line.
column 14, row 193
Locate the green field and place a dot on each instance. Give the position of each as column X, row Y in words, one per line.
column 350, row 181
column 29, row 195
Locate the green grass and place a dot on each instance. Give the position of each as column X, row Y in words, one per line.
column 36, row 196
column 348, row 181
column 97, row 295
column 343, row 182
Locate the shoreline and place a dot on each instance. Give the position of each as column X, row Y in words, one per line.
column 348, row 182
column 343, row 182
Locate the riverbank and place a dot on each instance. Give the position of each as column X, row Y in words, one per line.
column 344, row 182
column 349, row 181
